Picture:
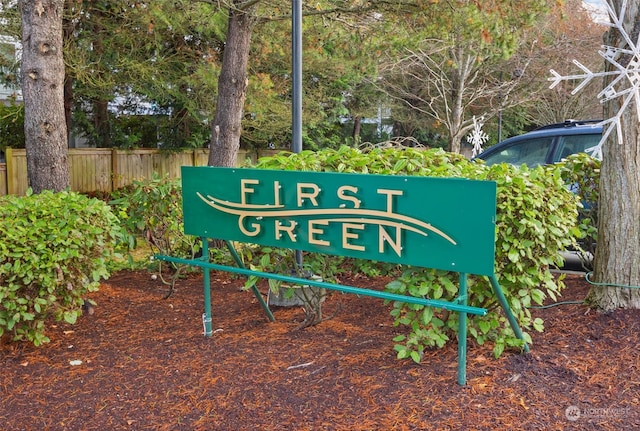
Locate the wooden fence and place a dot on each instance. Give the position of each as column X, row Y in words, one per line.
column 105, row 169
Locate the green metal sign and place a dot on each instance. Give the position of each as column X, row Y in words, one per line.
column 442, row 223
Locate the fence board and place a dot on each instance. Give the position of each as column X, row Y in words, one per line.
column 17, row 178
column 90, row 170
column 3, row 179
column 105, row 169
column 136, row 165
column 200, row 157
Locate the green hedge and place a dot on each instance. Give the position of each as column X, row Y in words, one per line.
column 536, row 219
column 55, row 248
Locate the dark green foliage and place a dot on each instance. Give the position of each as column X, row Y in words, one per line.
column 11, row 126
column 152, row 130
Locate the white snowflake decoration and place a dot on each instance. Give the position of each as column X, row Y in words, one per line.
column 477, row 137
column 631, row 73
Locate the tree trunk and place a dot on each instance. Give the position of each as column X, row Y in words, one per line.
column 101, row 122
column 232, row 90
column 617, row 260
column 68, row 37
column 357, row 124
column 43, row 91
column 68, row 105
column 455, row 120
column 459, row 80
column 183, row 132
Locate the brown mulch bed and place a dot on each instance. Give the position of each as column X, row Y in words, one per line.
column 145, row 365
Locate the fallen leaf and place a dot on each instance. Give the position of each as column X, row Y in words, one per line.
column 524, row 406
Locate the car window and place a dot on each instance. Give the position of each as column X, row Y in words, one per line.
column 532, row 152
column 572, row 144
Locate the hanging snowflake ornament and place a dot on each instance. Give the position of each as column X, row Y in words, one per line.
column 477, row 137
column 629, row 73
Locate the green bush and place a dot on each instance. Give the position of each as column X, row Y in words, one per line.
column 54, row 249
column 582, row 173
column 536, row 219
column 152, row 210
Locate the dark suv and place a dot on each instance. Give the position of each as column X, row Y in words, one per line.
column 546, row 145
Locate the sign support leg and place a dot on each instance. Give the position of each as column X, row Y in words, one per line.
column 254, row 289
column 507, row 310
column 206, row 317
column 462, row 332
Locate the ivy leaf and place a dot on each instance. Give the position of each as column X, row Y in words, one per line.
column 484, row 326
column 538, row 324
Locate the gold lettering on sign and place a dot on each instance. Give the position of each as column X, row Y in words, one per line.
column 347, row 211
column 385, row 238
column 244, row 189
column 366, row 216
column 286, row 229
column 244, row 230
column 348, row 234
column 341, row 194
column 276, row 193
column 311, row 195
column 390, row 194
column 313, row 231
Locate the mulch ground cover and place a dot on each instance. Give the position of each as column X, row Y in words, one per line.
column 141, row 362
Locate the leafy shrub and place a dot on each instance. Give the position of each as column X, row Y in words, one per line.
column 582, row 173
column 54, row 249
column 536, row 219
column 152, row 210
column 283, row 261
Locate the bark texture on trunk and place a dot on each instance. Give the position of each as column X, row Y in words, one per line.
column 357, row 124
column 43, row 92
column 101, row 122
column 226, row 127
column 67, row 37
column 617, row 261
